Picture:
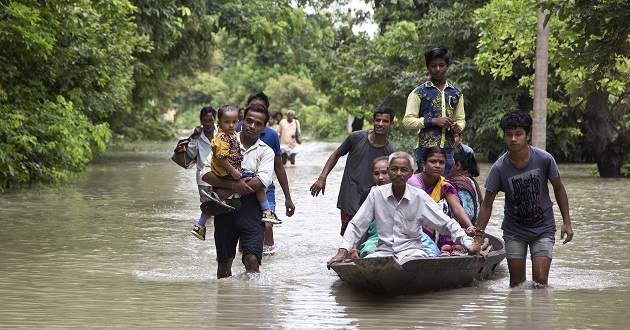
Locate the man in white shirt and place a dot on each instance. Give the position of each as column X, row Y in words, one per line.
column 400, row 211
column 244, row 224
column 289, row 129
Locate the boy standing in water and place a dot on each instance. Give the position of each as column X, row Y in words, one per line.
column 436, row 110
column 528, row 221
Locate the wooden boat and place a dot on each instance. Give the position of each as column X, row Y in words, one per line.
column 384, row 275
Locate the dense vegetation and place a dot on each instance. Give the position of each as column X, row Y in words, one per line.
column 78, row 75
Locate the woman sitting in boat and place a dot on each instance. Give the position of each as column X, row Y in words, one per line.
column 463, row 178
column 445, row 194
column 368, row 246
column 400, row 211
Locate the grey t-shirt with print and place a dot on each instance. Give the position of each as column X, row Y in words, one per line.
column 357, row 175
column 528, row 210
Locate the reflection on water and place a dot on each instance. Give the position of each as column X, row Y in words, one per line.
column 113, row 249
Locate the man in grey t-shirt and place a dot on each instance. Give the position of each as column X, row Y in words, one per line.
column 362, row 147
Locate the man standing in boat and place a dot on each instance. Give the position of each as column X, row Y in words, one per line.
column 244, row 224
column 400, row 211
column 362, row 148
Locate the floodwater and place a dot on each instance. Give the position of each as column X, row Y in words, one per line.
column 113, row 249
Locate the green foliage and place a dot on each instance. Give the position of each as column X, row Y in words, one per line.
column 75, row 72
column 506, row 37
column 400, row 138
column 320, row 125
column 599, row 31
column 66, row 67
column 187, row 120
column 184, row 35
column 46, row 145
column 588, row 54
column 384, row 70
column 284, row 91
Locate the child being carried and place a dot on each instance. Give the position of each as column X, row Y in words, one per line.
column 227, row 158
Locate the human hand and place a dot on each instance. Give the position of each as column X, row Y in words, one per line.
column 455, row 128
column 470, row 231
column 473, row 249
column 319, row 185
column 484, row 248
column 197, row 132
column 566, row 229
column 288, row 204
column 236, row 175
column 340, row 257
column 445, row 122
column 241, row 187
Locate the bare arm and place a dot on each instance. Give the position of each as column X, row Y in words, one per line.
column 459, row 212
column 281, row 174
column 193, row 148
column 563, row 203
column 482, row 221
column 226, row 164
column 242, row 187
column 486, row 210
column 320, row 184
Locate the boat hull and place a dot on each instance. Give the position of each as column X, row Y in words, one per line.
column 384, row 275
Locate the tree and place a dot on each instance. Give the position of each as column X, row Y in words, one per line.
column 539, row 129
column 65, row 67
column 589, row 61
column 601, row 56
column 383, row 70
column 74, row 71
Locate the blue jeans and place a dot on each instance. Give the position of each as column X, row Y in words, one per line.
column 271, row 197
column 450, row 160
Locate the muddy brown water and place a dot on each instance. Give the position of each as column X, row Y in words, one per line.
column 113, row 249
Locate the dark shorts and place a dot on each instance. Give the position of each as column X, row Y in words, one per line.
column 244, row 224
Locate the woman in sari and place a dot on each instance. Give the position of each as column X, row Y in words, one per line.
column 444, row 193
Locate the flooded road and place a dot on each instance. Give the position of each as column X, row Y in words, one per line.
column 113, row 249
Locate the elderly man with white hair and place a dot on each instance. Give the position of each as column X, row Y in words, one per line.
column 400, row 211
column 289, row 130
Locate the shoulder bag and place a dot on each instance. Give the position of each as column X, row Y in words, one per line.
column 180, row 155
column 297, row 137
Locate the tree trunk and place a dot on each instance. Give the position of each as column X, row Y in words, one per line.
column 539, row 129
column 600, row 137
